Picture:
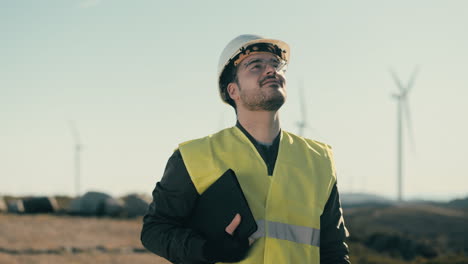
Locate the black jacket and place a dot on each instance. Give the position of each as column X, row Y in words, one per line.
column 165, row 233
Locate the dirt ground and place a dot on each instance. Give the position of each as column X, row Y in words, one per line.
column 57, row 239
column 54, row 239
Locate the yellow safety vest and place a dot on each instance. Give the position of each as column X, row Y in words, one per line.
column 287, row 205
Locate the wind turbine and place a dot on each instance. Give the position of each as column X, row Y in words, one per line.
column 403, row 113
column 303, row 123
column 78, row 149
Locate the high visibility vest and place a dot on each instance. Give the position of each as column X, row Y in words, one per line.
column 286, row 205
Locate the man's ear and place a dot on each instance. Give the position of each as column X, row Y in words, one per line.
column 233, row 91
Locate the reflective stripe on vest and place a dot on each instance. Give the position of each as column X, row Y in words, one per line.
column 293, row 233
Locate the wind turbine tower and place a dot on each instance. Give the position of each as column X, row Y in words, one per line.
column 303, row 123
column 78, row 149
column 403, row 112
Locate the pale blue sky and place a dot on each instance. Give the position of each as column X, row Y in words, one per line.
column 139, row 77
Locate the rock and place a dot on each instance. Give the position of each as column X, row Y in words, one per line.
column 15, row 206
column 135, row 205
column 3, row 205
column 95, row 204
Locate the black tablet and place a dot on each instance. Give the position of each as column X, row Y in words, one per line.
column 217, row 206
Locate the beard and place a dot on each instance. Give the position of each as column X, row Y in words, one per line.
column 263, row 99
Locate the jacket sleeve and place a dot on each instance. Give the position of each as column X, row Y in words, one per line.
column 164, row 232
column 333, row 249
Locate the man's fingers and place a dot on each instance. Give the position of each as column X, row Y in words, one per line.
column 233, row 225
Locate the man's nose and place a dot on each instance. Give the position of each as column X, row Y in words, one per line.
column 270, row 69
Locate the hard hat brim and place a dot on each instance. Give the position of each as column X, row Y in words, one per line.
column 281, row 44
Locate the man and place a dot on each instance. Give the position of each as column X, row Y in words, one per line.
column 289, row 181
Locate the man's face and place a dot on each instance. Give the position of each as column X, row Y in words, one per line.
column 260, row 83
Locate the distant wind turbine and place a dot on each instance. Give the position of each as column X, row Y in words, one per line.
column 403, row 113
column 303, row 123
column 78, row 149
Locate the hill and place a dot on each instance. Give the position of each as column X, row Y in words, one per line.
column 410, row 230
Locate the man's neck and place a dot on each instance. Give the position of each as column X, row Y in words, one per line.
column 263, row 126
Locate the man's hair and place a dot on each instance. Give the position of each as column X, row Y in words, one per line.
column 229, row 75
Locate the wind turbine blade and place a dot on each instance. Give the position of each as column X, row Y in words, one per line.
column 409, row 123
column 396, row 80
column 411, row 81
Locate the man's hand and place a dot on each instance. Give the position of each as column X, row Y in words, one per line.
column 229, row 248
column 233, row 225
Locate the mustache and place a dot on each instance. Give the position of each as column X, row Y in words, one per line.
column 268, row 78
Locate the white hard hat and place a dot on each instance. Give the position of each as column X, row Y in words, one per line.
column 237, row 49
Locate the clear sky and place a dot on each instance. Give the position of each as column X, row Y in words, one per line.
column 139, row 77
